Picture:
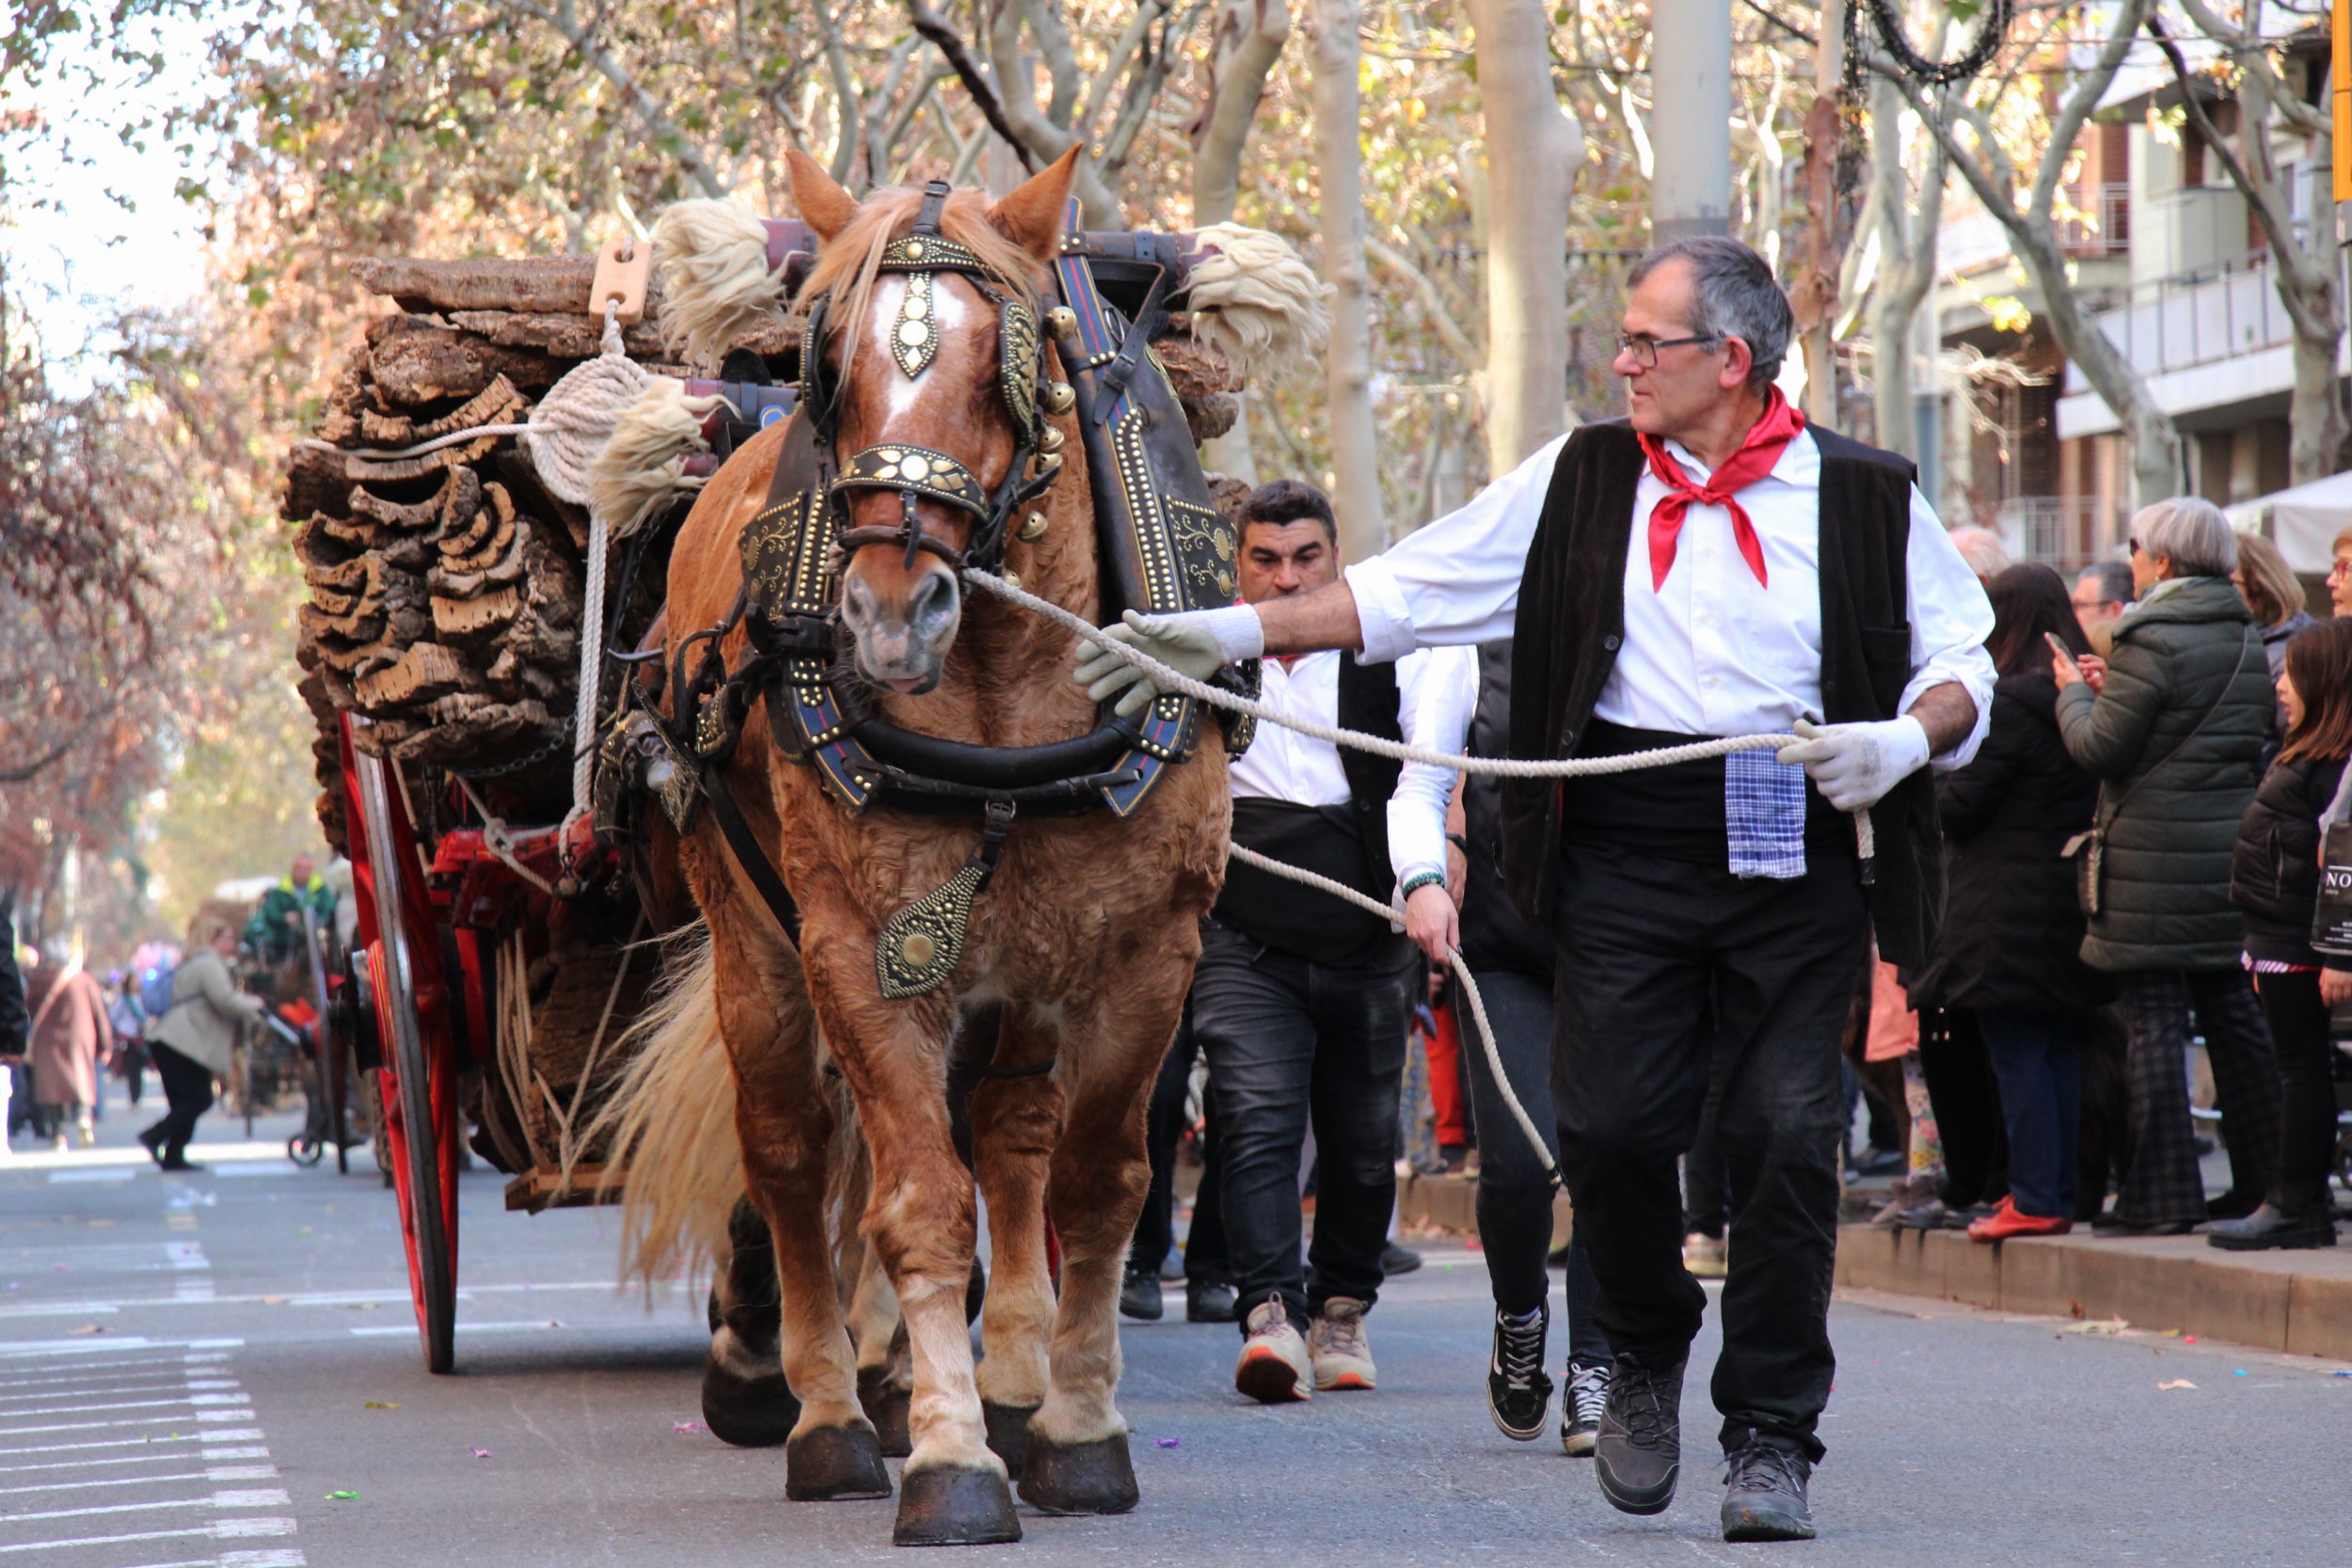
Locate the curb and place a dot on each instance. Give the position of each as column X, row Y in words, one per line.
column 2298, row 1303
column 1450, row 1203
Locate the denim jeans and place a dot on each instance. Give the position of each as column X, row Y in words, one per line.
column 2038, row 1059
column 1290, row 1042
column 1164, row 1128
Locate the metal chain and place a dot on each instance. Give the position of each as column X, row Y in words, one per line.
column 555, row 744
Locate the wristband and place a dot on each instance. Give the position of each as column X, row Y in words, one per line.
column 1420, row 879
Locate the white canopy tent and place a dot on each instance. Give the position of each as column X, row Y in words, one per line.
column 2303, row 522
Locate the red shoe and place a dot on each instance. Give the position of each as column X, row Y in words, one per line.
column 2006, row 1221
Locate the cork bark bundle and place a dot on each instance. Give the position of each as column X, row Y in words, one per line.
column 444, row 590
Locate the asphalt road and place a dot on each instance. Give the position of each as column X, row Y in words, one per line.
column 222, row 1370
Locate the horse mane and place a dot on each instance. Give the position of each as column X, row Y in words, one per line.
column 848, row 263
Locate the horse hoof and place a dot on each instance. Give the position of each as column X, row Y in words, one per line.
column 949, row 1506
column 748, row 1412
column 1009, row 1432
column 826, row 1465
column 887, row 1408
column 1079, row 1478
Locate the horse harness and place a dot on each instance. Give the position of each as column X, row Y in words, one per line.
column 1161, row 543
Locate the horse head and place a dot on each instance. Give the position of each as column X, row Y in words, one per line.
column 924, row 378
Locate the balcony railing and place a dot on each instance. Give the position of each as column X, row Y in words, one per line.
column 2225, row 311
column 2065, row 531
column 2101, row 228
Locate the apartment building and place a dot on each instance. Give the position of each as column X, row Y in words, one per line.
column 2179, row 273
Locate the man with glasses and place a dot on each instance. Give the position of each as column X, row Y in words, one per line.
column 1710, row 566
column 2340, row 574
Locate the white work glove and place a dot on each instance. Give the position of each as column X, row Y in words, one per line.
column 1856, row 764
column 1196, row 642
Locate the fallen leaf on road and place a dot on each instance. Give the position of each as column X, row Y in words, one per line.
column 1166, row 1442
column 380, row 1405
column 341, row 1497
column 2176, row 1383
column 272, row 1301
column 2100, row 1325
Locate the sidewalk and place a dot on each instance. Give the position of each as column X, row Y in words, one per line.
column 2299, row 1303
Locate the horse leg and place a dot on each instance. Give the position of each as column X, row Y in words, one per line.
column 921, row 1221
column 1077, row 1460
column 885, row 1369
column 1014, row 1122
column 786, row 1124
column 746, row 1400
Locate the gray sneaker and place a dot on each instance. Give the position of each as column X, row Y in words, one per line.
column 1764, row 1493
column 1638, row 1455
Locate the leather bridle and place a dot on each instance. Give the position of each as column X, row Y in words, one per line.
column 922, row 473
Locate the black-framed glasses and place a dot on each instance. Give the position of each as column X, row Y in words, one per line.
column 1644, row 349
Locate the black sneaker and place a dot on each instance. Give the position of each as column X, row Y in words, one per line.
column 1519, row 1393
column 1638, row 1455
column 1764, row 1493
column 1139, row 1295
column 1395, row 1259
column 1580, row 1407
column 1209, row 1301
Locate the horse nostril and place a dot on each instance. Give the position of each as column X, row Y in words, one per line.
column 932, row 603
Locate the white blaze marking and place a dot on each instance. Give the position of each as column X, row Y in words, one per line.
column 949, row 311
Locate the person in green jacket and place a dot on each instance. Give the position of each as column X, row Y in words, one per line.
column 2173, row 725
column 276, row 929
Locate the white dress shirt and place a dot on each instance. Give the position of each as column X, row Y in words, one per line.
column 1436, row 691
column 1710, row 651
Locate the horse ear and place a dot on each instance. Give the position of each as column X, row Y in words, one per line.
column 824, row 205
column 1031, row 216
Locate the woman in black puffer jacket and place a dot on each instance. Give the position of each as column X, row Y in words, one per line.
column 2274, row 877
column 2008, row 950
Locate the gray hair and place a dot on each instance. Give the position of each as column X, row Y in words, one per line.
column 2189, row 532
column 1732, row 295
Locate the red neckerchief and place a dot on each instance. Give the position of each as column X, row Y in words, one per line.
column 1771, row 436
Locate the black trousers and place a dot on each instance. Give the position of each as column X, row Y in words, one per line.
column 1650, row 949
column 1514, row 1185
column 2307, row 1087
column 188, row 1090
column 1290, row 1043
column 1164, row 1128
column 1967, row 1101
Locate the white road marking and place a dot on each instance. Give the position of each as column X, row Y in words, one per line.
column 225, row 1530
column 463, row 1328
column 23, row 1349
column 213, row 1472
column 60, row 1176
column 132, row 1405
column 267, row 1496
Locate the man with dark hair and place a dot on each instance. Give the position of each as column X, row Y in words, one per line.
column 2101, row 594
column 1300, row 1002
column 1710, row 566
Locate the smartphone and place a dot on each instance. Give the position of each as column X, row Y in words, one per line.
column 2057, row 646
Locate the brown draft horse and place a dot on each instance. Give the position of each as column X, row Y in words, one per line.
column 1086, row 936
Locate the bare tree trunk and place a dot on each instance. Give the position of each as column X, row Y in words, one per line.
column 1906, row 267
column 2149, row 434
column 1339, row 163
column 1532, row 148
column 2304, row 263
column 1248, row 38
column 1814, row 295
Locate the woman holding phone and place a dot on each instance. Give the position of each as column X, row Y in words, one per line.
column 2008, row 951
column 2274, row 877
column 2174, row 732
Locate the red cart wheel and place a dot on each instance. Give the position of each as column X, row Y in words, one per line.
column 418, row 1078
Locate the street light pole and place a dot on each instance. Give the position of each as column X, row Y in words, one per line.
column 1690, row 119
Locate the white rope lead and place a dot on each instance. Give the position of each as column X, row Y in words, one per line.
column 1169, row 679
column 1462, row 971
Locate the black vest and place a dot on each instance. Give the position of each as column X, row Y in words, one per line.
column 1350, row 844
column 1571, row 622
